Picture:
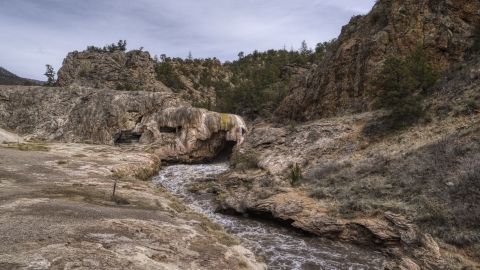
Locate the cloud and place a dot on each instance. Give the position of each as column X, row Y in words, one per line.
column 44, row 31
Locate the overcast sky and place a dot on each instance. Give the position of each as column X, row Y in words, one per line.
column 38, row 32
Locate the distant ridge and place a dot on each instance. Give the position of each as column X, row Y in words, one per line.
column 8, row 78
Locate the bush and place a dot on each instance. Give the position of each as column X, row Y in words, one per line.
column 295, row 174
column 167, row 75
column 379, row 17
column 401, row 84
column 249, row 160
column 476, row 39
column 145, row 173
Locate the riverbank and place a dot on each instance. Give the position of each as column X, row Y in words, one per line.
column 279, row 244
column 57, row 212
column 410, row 194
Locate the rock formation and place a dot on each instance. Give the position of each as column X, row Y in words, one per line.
column 133, row 70
column 168, row 125
column 443, row 28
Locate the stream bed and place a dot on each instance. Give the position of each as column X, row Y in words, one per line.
column 282, row 247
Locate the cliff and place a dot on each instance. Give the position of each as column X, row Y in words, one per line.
column 162, row 121
column 338, row 85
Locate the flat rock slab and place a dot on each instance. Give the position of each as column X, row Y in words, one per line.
column 57, row 212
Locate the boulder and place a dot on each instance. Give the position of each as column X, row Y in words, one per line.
column 133, row 70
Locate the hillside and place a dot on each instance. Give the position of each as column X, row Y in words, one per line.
column 444, row 29
column 8, row 78
column 252, row 86
column 341, row 170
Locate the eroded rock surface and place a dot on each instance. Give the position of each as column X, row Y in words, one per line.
column 169, row 126
column 134, row 69
column 321, row 149
column 57, row 212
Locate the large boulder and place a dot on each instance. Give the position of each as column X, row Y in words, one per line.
column 133, row 70
column 171, row 127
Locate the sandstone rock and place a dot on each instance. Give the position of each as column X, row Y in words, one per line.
column 110, row 70
column 168, row 125
column 395, row 27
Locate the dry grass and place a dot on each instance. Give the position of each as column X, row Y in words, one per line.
column 177, row 205
column 437, row 184
column 217, row 231
column 146, row 173
column 120, row 176
column 27, row 146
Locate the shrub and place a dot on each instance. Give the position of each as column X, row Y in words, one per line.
column 167, row 75
column 476, row 39
column 295, row 174
column 401, row 84
column 379, row 17
column 249, row 159
column 145, row 173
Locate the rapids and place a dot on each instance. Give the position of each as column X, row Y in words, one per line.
column 282, row 247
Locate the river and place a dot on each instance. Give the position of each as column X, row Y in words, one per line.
column 282, row 247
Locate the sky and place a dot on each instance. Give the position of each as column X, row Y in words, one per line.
column 39, row 32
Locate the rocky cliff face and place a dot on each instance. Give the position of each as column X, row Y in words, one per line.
column 133, row 70
column 168, row 125
column 339, row 84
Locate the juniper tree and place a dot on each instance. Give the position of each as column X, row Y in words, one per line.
column 50, row 73
column 401, row 85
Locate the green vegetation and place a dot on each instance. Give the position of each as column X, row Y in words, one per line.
column 256, row 83
column 167, row 75
column 27, row 146
column 50, row 73
column 247, row 160
column 125, row 86
column 260, row 81
column 401, row 86
column 120, row 46
column 476, row 37
column 379, row 17
column 8, row 78
column 295, row 174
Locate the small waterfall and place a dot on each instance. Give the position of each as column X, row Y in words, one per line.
column 281, row 247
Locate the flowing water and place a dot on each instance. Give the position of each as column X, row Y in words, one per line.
column 282, row 247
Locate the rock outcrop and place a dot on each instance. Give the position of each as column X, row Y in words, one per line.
column 168, row 125
column 133, row 70
column 443, row 28
column 58, row 212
